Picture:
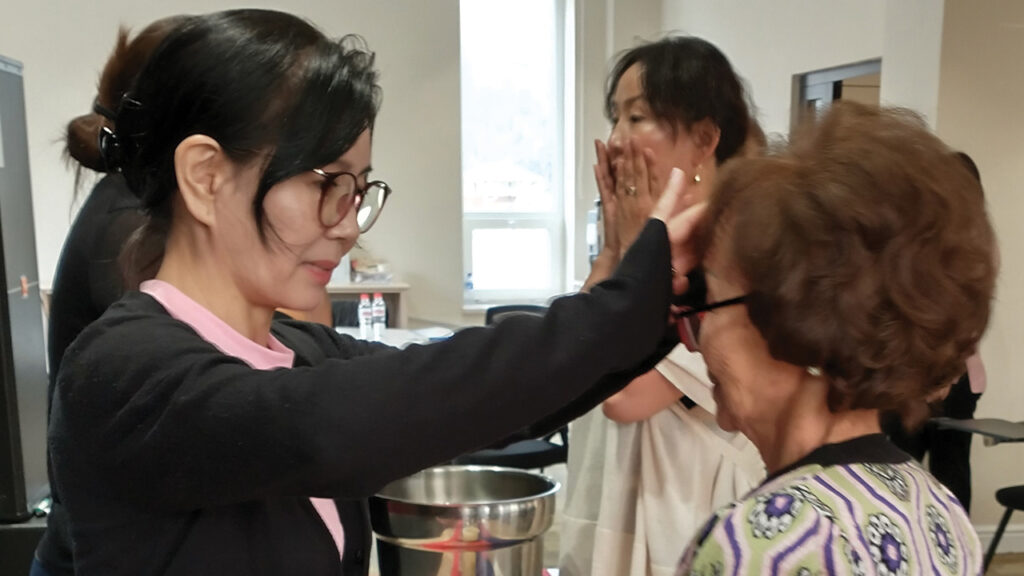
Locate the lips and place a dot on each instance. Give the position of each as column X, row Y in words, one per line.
column 321, row 270
column 328, row 265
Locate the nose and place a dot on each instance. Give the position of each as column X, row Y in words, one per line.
column 617, row 140
column 347, row 229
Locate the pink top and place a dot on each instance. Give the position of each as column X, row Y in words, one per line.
column 230, row 342
column 976, row 373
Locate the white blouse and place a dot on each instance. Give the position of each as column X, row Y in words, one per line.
column 637, row 493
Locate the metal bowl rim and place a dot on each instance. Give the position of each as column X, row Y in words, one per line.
column 555, row 486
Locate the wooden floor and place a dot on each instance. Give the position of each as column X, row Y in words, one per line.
column 1007, row 565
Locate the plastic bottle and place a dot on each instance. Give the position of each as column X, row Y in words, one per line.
column 593, row 233
column 380, row 316
column 365, row 316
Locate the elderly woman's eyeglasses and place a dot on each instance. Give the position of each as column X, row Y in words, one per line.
column 340, row 191
column 688, row 321
column 693, row 304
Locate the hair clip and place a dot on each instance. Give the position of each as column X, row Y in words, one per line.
column 104, row 111
column 130, row 103
column 110, row 148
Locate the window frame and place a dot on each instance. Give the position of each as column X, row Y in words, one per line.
column 557, row 221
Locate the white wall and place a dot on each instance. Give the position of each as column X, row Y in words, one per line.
column 912, row 48
column 981, row 111
column 603, row 29
column 769, row 42
column 416, row 147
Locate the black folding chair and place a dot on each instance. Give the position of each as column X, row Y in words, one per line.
column 526, row 454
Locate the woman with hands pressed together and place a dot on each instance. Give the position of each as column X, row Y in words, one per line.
column 649, row 467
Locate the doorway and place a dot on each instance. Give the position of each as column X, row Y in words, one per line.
column 814, row 91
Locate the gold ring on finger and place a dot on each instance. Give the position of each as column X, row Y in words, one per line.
column 630, row 190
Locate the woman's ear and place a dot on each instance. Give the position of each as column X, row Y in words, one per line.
column 705, row 135
column 201, row 168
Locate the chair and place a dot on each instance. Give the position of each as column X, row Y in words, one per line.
column 994, row 431
column 496, row 314
column 345, row 312
column 527, row 454
column 1013, row 498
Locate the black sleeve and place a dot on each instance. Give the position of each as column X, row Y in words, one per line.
column 170, row 422
column 593, row 396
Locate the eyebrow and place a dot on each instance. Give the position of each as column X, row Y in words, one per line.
column 629, row 101
column 364, row 172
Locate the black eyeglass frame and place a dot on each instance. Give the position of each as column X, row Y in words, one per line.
column 359, row 195
column 688, row 325
column 712, row 306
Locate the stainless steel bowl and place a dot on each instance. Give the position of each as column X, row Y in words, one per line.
column 463, row 515
column 464, row 507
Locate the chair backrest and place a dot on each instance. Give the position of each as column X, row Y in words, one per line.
column 496, row 314
column 345, row 312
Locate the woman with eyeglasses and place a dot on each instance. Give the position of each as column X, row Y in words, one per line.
column 850, row 274
column 190, row 433
column 649, row 466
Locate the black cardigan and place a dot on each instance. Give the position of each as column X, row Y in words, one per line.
column 87, row 281
column 173, row 458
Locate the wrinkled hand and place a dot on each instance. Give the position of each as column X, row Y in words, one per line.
column 681, row 219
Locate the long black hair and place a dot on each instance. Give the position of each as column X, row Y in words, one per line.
column 265, row 85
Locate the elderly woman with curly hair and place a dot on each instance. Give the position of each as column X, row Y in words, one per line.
column 850, row 274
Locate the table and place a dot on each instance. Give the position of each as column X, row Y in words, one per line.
column 394, row 296
column 399, row 337
column 994, row 430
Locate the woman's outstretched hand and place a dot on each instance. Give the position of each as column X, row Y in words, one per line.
column 681, row 219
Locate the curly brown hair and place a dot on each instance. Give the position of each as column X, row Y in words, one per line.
column 866, row 251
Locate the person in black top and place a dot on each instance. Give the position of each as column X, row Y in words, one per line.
column 192, row 434
column 88, row 278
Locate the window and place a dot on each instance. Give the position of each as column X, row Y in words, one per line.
column 513, row 126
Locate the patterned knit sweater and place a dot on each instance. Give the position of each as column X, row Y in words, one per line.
column 853, row 508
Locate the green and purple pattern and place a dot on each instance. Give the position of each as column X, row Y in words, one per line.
column 854, row 519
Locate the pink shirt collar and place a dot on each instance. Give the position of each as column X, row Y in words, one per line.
column 216, row 331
